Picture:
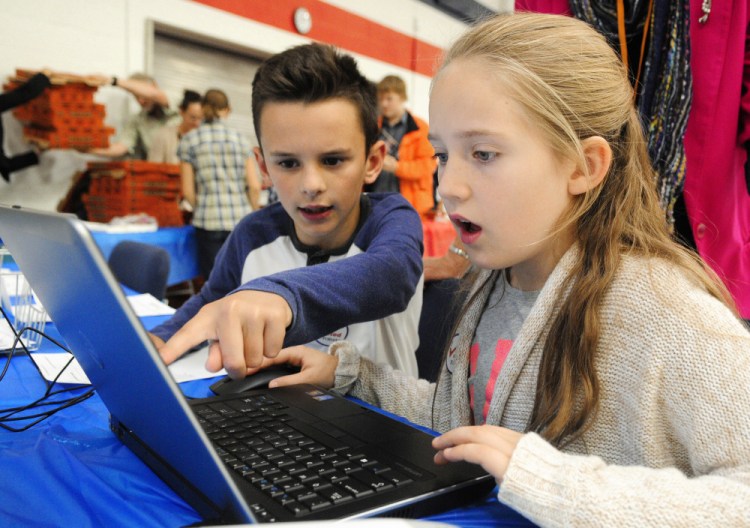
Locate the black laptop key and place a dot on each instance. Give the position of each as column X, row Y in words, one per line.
column 225, row 441
column 347, row 466
column 376, row 482
column 398, row 478
column 355, row 487
column 316, row 502
column 238, row 450
column 312, row 433
column 296, row 508
column 280, row 428
column 335, row 494
column 283, row 481
column 317, row 483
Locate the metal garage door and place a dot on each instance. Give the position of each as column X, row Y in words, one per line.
column 179, row 63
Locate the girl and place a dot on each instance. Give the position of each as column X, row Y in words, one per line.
column 218, row 178
column 598, row 371
column 164, row 144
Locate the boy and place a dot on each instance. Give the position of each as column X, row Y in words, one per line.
column 409, row 163
column 317, row 266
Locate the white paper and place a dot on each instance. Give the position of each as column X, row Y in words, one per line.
column 192, row 367
column 187, row 368
column 9, row 282
column 145, row 304
column 52, row 364
column 114, row 229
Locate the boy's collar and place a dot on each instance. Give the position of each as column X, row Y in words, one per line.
column 316, row 255
column 399, row 121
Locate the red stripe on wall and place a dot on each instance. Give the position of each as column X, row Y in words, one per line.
column 340, row 28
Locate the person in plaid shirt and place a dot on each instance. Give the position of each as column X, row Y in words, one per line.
column 218, row 179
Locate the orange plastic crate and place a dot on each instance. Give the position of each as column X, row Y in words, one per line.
column 135, row 166
column 40, row 115
column 82, row 139
column 64, row 115
column 119, row 188
column 102, row 212
column 112, row 186
column 58, row 95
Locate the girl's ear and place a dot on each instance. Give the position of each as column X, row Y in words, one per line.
column 598, row 155
column 374, row 162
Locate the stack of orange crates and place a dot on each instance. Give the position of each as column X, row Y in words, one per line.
column 120, row 188
column 64, row 115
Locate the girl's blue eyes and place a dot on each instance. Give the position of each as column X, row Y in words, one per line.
column 483, row 155
column 480, row 155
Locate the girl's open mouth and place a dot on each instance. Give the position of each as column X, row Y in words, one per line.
column 466, row 226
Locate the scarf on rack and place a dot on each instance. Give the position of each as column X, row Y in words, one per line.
column 663, row 87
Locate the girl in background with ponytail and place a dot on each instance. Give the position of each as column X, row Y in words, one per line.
column 219, row 179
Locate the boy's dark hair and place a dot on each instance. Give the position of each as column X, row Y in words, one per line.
column 311, row 73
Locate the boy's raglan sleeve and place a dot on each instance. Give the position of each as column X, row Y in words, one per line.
column 368, row 286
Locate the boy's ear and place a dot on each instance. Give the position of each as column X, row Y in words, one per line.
column 261, row 161
column 374, row 163
column 598, row 155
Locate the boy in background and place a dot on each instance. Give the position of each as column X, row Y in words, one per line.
column 326, row 262
column 409, row 163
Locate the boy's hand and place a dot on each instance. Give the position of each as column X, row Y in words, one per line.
column 390, row 163
column 243, row 328
column 156, row 340
column 318, row 368
column 487, row 445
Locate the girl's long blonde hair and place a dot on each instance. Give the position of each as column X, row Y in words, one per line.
column 574, row 86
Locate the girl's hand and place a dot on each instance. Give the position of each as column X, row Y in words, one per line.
column 487, row 445
column 318, row 368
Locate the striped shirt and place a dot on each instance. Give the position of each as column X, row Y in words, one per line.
column 218, row 155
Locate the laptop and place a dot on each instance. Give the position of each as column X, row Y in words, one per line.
column 286, row 454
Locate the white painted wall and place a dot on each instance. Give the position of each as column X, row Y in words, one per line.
column 501, row 6
column 114, row 37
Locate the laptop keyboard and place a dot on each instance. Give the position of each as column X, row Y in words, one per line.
column 290, row 461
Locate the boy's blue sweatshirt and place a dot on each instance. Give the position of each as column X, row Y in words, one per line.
column 369, row 291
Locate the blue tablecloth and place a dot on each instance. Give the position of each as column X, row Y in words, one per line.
column 178, row 241
column 70, row 470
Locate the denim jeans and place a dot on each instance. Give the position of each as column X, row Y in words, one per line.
column 208, row 244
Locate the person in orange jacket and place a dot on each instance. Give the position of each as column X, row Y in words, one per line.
column 410, row 162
